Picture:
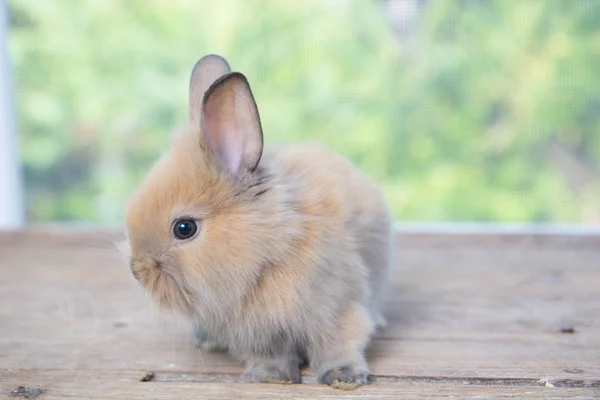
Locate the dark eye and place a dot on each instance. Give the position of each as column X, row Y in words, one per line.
column 185, row 229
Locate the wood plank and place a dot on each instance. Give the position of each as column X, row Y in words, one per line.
column 461, row 308
column 408, row 236
column 127, row 385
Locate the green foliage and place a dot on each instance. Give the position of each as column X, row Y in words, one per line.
column 492, row 113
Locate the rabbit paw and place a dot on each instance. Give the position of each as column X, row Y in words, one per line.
column 272, row 373
column 206, row 342
column 212, row 346
column 344, row 378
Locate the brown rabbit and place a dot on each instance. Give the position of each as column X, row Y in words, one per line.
column 279, row 257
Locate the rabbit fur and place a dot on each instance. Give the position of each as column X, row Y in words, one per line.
column 291, row 257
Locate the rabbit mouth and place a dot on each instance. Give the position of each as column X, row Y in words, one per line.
column 166, row 288
column 159, row 265
column 181, row 296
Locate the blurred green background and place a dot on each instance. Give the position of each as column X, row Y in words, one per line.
column 463, row 110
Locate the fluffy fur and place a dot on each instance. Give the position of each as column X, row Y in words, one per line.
column 291, row 259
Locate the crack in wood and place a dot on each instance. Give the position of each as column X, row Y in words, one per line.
column 386, row 380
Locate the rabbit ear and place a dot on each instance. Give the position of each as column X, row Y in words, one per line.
column 206, row 71
column 231, row 124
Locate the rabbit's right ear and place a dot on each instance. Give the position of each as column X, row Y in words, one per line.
column 231, row 125
column 206, row 71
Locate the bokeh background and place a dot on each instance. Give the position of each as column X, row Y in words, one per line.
column 464, row 110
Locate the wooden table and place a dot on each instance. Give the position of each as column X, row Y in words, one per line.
column 482, row 315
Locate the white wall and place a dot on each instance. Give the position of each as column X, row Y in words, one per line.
column 12, row 207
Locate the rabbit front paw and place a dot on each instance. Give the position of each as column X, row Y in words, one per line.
column 344, row 378
column 212, row 346
column 206, row 342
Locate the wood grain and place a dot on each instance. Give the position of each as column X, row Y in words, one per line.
column 127, row 385
column 486, row 310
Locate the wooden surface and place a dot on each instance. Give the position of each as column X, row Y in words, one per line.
column 471, row 316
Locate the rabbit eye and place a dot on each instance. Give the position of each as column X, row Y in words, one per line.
column 185, row 229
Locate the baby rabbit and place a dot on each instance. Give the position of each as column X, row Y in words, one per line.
column 281, row 256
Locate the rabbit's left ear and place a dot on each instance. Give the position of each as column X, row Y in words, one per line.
column 231, row 124
column 206, row 71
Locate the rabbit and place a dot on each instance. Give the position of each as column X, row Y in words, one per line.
column 279, row 256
